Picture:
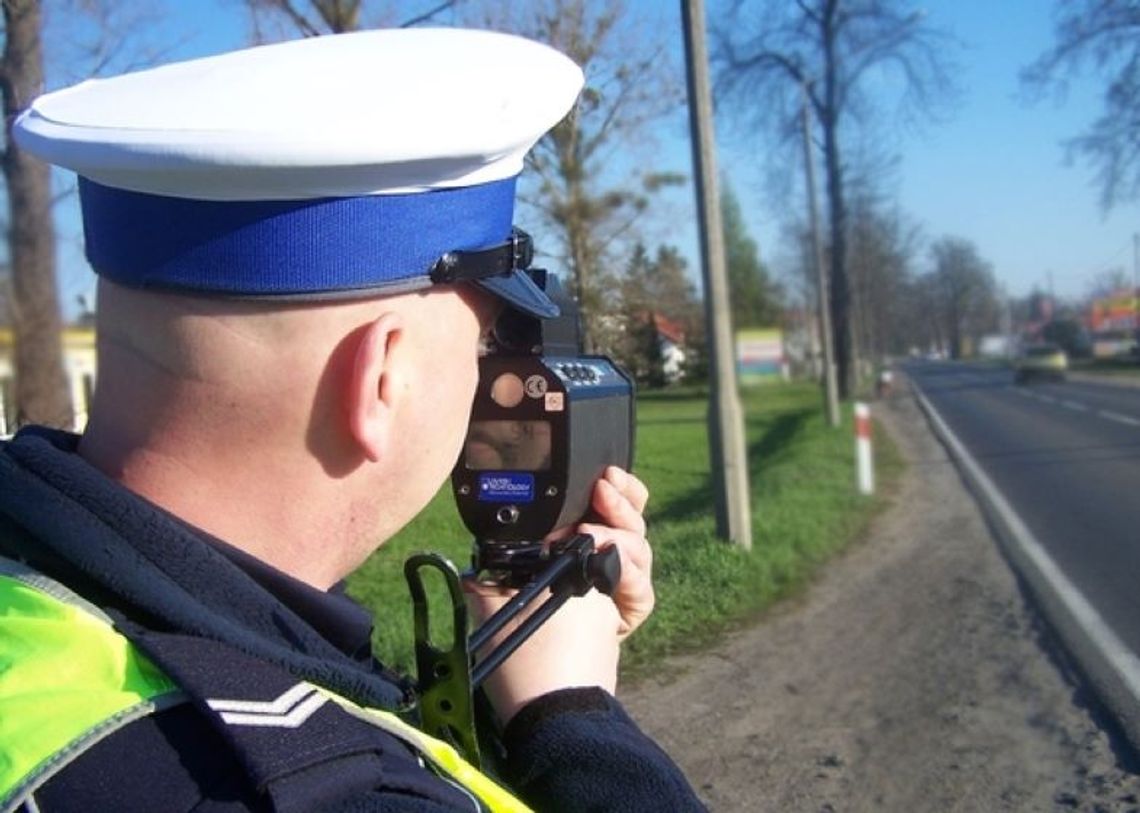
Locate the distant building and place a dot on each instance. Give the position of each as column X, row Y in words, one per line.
column 1112, row 324
column 1115, row 312
column 78, row 365
column 996, row 346
column 671, row 343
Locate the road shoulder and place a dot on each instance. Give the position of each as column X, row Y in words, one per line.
column 912, row 675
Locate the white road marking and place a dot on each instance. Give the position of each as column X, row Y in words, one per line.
column 1074, row 405
column 1116, row 416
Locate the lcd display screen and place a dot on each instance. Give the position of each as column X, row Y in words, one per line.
column 508, row 446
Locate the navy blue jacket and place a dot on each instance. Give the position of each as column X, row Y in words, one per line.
column 218, row 620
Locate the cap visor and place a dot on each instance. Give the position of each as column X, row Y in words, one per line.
column 521, row 292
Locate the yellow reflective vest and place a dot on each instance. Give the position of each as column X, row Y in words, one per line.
column 68, row 679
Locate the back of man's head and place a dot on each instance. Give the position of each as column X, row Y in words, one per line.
column 274, row 226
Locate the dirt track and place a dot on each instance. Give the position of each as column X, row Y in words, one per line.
column 912, row 676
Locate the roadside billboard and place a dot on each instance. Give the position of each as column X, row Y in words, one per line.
column 760, row 356
column 1116, row 312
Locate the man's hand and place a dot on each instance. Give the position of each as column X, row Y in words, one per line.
column 579, row 644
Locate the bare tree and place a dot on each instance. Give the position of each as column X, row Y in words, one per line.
column 5, row 295
column 82, row 38
column 1107, row 282
column 273, row 20
column 41, row 387
column 881, row 249
column 963, row 290
column 567, row 162
column 628, row 85
column 310, row 19
column 771, row 55
column 85, row 38
column 1103, row 34
column 890, row 305
column 571, row 184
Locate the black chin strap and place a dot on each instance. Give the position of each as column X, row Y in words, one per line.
column 463, row 266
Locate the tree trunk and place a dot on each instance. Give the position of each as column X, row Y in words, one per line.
column 840, row 287
column 581, row 271
column 41, row 386
column 954, row 326
column 576, row 222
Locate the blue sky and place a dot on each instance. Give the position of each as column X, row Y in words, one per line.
column 992, row 171
column 996, row 173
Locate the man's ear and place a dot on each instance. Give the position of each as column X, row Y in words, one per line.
column 374, row 385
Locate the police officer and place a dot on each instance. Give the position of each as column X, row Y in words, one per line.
column 285, row 378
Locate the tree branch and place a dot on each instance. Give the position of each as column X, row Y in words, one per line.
column 303, row 24
column 427, row 15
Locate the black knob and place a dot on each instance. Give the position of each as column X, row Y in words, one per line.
column 603, row 569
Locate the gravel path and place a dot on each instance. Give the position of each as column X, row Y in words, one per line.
column 911, row 676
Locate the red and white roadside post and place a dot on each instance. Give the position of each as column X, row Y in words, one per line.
column 864, row 467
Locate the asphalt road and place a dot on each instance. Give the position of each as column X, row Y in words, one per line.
column 1066, row 456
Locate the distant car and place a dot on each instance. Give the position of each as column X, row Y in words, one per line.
column 1040, row 361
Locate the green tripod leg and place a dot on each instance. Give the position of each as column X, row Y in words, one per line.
column 448, row 677
column 447, row 708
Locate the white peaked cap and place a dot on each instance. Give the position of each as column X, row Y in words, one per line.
column 367, row 113
column 378, row 114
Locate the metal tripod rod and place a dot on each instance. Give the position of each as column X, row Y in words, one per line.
column 503, row 616
column 516, row 639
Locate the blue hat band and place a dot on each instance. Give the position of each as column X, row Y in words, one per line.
column 282, row 248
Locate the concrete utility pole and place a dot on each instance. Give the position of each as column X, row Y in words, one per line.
column 830, row 388
column 727, row 451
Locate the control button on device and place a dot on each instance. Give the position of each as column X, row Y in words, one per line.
column 507, row 515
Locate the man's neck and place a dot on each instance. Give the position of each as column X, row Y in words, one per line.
column 255, row 500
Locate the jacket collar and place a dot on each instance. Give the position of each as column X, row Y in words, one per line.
column 153, row 568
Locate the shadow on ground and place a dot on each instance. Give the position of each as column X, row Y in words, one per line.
column 775, row 438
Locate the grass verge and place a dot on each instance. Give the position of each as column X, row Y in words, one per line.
column 805, row 508
column 1113, row 367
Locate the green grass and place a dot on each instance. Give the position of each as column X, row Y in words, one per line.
column 804, row 509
